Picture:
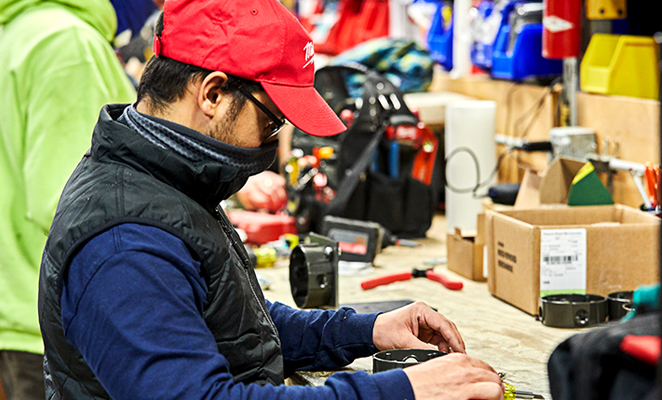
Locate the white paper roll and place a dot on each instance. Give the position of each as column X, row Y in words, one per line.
column 461, row 38
column 469, row 125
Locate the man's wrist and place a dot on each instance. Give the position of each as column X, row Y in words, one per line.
column 394, row 385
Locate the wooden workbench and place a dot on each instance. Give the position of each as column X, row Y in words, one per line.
column 494, row 331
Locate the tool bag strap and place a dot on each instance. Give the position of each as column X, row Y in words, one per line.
column 353, row 175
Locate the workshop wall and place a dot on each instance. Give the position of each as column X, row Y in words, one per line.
column 516, row 105
column 631, row 125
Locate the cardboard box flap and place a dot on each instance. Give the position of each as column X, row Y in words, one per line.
column 555, row 184
column 529, row 191
column 480, row 229
column 549, row 187
column 458, row 235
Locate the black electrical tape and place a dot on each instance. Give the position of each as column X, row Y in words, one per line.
column 537, row 146
column 572, row 310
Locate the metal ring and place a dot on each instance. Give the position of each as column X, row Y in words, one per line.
column 572, row 310
column 401, row 358
column 617, row 302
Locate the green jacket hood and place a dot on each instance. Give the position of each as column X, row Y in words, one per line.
column 98, row 13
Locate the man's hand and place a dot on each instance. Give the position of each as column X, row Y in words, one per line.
column 264, row 191
column 454, row 377
column 416, row 326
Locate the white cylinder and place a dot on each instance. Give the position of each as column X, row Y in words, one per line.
column 470, row 130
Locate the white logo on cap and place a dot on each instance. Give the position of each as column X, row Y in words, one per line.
column 310, row 53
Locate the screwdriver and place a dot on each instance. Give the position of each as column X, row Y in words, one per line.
column 510, row 393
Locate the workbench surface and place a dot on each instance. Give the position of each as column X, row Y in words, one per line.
column 505, row 337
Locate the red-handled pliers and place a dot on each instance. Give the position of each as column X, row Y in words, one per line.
column 415, row 273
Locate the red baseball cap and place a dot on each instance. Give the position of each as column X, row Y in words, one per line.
column 259, row 40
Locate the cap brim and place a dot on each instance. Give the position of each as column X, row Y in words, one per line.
column 305, row 109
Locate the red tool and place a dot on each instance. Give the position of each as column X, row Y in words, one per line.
column 421, row 138
column 652, row 174
column 261, row 228
column 415, row 273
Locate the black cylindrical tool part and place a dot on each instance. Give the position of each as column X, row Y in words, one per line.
column 314, row 273
column 402, row 358
column 572, row 310
column 617, row 302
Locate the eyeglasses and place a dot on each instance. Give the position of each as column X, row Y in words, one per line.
column 276, row 123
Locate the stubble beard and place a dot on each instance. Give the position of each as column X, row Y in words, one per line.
column 224, row 130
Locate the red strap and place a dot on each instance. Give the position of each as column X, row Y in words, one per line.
column 644, row 348
column 452, row 285
column 385, row 280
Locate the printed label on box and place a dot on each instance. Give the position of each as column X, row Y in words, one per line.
column 562, row 261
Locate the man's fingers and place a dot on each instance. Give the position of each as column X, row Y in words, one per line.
column 419, row 344
column 482, row 364
column 455, row 376
column 447, row 329
column 480, row 370
column 281, row 193
column 271, row 197
column 260, row 200
column 485, row 391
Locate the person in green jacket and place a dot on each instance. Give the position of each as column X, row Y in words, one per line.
column 58, row 69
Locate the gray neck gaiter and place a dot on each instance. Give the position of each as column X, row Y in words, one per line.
column 196, row 146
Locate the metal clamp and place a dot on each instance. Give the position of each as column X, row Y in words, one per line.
column 572, row 310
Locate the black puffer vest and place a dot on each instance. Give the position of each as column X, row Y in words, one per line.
column 126, row 179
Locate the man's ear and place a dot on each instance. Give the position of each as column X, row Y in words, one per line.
column 211, row 97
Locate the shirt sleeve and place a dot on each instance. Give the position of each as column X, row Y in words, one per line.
column 132, row 305
column 316, row 339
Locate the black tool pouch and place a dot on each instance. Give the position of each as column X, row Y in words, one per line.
column 591, row 365
column 402, row 204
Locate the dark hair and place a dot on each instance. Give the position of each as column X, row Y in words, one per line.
column 165, row 80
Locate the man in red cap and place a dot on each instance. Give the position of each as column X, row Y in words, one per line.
column 146, row 290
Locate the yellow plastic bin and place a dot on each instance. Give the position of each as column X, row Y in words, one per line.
column 621, row 65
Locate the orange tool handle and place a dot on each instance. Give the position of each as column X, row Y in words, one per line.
column 652, row 174
column 655, row 176
column 452, row 285
column 385, row 280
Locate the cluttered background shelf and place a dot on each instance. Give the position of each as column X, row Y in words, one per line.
column 625, row 127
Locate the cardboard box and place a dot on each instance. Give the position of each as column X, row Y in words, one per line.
column 619, row 251
column 550, row 187
column 465, row 252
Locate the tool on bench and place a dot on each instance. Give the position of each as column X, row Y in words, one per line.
column 360, row 240
column 415, row 273
column 402, row 358
column 314, row 272
column 510, row 393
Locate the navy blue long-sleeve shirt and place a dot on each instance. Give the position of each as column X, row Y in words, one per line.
column 132, row 304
